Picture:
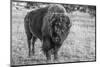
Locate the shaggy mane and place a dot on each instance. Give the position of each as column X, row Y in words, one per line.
column 55, row 12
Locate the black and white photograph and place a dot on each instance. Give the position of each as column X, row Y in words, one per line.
column 52, row 33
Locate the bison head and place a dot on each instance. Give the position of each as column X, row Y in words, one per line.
column 57, row 22
column 59, row 27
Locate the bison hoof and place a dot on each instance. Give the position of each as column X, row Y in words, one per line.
column 48, row 60
column 55, row 58
column 30, row 55
column 33, row 53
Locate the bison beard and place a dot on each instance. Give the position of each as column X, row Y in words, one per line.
column 51, row 25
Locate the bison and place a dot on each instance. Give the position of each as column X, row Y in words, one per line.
column 51, row 25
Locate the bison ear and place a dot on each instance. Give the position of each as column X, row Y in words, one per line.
column 68, row 23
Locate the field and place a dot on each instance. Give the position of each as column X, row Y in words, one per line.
column 78, row 46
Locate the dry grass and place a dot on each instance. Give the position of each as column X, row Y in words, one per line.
column 79, row 46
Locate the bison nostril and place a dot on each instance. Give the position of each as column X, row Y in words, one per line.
column 57, row 39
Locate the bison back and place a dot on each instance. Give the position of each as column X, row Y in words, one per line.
column 34, row 21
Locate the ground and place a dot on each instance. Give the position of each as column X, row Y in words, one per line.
column 78, row 46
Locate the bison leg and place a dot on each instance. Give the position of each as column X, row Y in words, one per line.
column 29, row 37
column 33, row 42
column 56, row 51
column 29, row 46
column 29, row 34
column 46, row 47
column 48, row 57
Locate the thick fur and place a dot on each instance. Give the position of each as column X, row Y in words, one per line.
column 51, row 25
